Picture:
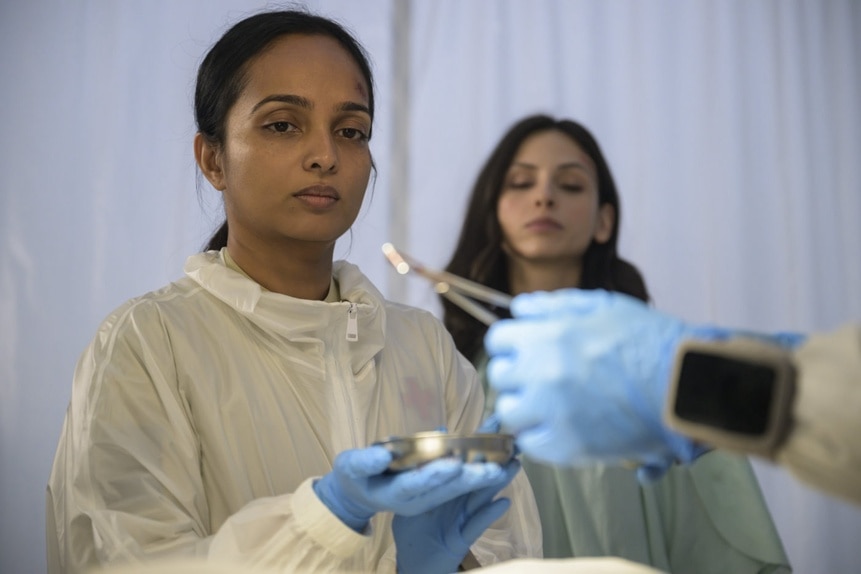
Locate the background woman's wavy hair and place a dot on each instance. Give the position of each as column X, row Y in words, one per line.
column 479, row 256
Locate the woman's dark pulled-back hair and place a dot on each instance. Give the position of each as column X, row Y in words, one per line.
column 222, row 75
column 479, row 256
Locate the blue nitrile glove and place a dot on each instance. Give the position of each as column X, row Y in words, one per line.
column 785, row 339
column 582, row 378
column 438, row 540
column 491, row 425
column 358, row 487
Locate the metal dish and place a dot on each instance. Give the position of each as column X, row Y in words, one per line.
column 415, row 450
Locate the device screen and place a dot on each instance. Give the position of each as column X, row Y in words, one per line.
column 725, row 393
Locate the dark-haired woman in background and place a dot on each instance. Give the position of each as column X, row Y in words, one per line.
column 544, row 215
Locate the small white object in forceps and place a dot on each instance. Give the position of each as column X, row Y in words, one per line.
column 456, row 289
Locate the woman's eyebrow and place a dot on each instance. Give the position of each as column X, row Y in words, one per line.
column 305, row 103
column 571, row 165
column 354, row 107
column 568, row 165
column 292, row 99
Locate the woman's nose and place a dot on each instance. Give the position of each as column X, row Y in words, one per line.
column 544, row 195
column 322, row 154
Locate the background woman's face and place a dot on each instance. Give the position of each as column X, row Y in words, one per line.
column 548, row 208
column 296, row 160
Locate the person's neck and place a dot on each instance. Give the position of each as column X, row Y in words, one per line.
column 300, row 269
column 529, row 276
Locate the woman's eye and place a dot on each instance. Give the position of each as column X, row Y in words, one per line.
column 354, row 134
column 280, row 127
column 576, row 187
column 520, row 183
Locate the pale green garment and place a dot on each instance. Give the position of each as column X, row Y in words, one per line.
column 709, row 517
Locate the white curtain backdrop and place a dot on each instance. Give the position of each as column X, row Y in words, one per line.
column 733, row 128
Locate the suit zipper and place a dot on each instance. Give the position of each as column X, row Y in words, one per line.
column 353, row 322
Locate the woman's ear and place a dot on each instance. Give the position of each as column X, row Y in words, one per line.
column 208, row 158
column 605, row 223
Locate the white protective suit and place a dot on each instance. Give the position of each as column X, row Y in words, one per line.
column 200, row 413
column 823, row 448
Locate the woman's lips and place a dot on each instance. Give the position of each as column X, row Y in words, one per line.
column 318, row 196
column 544, row 224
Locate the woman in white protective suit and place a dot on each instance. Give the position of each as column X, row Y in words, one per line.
column 226, row 416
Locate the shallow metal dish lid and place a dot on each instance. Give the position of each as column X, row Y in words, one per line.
column 414, row 450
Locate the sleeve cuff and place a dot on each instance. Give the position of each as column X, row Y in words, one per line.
column 326, row 529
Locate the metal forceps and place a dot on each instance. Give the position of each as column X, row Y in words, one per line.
column 456, row 289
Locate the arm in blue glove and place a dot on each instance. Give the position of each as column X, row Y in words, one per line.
column 358, row 487
column 582, row 377
column 437, row 541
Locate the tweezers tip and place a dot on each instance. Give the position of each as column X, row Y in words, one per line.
column 395, row 258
